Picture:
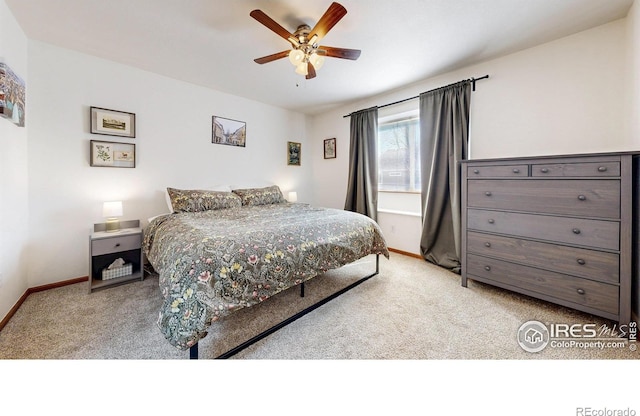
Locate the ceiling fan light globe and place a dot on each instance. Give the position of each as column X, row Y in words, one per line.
column 296, row 56
column 317, row 61
column 302, row 69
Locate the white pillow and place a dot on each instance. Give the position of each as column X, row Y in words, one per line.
column 218, row 188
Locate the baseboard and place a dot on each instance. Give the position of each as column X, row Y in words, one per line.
column 405, row 253
column 31, row 290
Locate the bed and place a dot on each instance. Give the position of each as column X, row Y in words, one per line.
column 219, row 252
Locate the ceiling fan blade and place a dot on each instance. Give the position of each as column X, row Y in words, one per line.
column 261, row 17
column 334, row 13
column 311, row 71
column 272, row 57
column 343, row 53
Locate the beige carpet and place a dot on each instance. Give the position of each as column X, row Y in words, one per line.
column 411, row 310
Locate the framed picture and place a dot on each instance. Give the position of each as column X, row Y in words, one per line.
column 293, row 153
column 227, row 131
column 112, row 122
column 113, row 155
column 330, row 148
column 12, row 96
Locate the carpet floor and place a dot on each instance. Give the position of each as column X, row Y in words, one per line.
column 411, row 310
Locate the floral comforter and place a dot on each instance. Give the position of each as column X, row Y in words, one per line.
column 214, row 262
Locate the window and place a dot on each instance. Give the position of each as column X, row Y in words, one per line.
column 399, row 153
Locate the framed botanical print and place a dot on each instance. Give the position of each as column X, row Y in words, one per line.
column 330, row 148
column 113, row 155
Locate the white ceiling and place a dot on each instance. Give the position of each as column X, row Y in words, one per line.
column 213, row 42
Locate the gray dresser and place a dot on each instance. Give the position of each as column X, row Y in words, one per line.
column 554, row 228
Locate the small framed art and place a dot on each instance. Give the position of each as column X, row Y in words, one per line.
column 228, row 131
column 112, row 155
column 330, row 148
column 293, row 153
column 112, row 122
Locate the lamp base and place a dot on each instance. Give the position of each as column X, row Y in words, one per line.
column 112, row 225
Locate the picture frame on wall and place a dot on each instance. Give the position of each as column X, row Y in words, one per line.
column 330, row 148
column 112, row 154
column 294, row 150
column 112, row 122
column 228, row 131
column 12, row 96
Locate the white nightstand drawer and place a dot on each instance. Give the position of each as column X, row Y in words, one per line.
column 116, row 244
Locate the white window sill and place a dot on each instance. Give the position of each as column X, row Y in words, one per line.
column 406, row 213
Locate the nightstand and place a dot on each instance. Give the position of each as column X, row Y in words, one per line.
column 106, row 247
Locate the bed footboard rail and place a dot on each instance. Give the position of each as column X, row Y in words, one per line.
column 193, row 350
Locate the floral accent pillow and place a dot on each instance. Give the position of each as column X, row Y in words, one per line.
column 183, row 200
column 260, row 196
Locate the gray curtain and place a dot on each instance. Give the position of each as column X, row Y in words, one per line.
column 362, row 188
column 444, row 133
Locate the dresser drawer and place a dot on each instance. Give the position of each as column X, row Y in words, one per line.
column 595, row 265
column 497, row 171
column 115, row 244
column 587, row 198
column 600, row 296
column 578, row 231
column 576, row 169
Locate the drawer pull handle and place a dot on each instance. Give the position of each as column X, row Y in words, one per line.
column 581, row 262
column 487, row 244
column 576, row 231
column 476, row 171
column 602, row 169
column 491, row 221
column 582, row 197
column 581, row 291
column 487, row 268
column 117, row 245
column 544, row 170
column 488, row 193
column 516, row 170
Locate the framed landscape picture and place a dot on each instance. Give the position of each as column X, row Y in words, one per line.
column 227, row 131
column 112, row 155
column 112, row 122
column 293, row 153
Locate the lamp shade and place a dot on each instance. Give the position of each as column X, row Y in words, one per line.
column 112, row 209
column 293, row 197
column 302, row 68
column 296, row 56
column 317, row 61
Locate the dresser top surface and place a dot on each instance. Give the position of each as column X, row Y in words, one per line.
column 600, row 156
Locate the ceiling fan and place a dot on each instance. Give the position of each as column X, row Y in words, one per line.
column 306, row 54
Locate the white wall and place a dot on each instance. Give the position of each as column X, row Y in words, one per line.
column 566, row 96
column 173, row 146
column 13, row 174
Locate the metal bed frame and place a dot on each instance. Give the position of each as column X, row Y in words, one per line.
column 193, row 350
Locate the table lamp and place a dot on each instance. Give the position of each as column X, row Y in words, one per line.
column 111, row 210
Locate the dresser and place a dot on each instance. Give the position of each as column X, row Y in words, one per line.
column 557, row 228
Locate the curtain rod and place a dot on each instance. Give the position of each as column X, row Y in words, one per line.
column 473, row 82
